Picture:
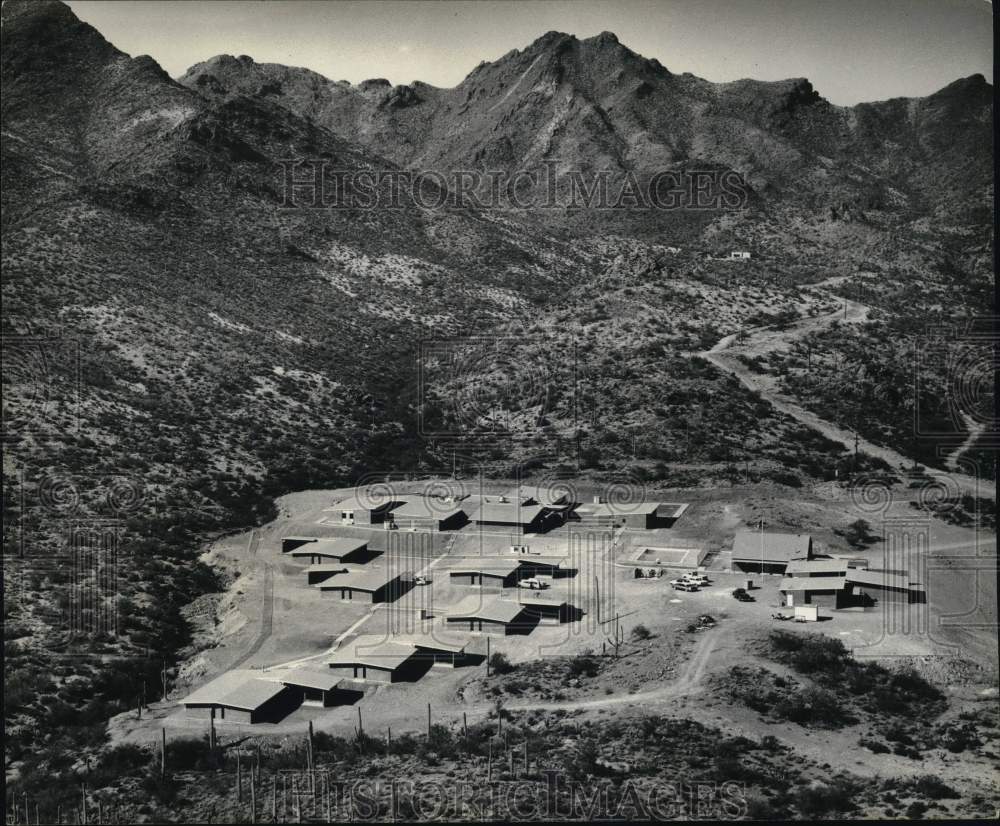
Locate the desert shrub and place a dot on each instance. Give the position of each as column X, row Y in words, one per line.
column 770, row 743
column 958, row 737
column 836, row 797
column 187, row 753
column 641, row 632
column 812, row 705
column 441, row 741
column 162, row 789
column 933, row 787
column 124, row 758
column 499, row 664
column 875, row 746
column 583, row 665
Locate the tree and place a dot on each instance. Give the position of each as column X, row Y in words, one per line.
column 859, row 533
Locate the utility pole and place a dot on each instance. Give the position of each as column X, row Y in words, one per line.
column 762, row 547
column 597, row 589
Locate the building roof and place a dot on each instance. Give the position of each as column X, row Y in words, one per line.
column 434, row 641
column 420, row 507
column 671, row 510
column 365, row 500
column 817, row 566
column 538, row 598
column 328, row 568
column 367, row 580
column 374, row 651
column 878, row 579
column 494, row 565
column 235, row 690
column 544, row 560
column 335, row 546
column 252, row 694
column 214, row 692
column 541, row 494
column 510, row 513
column 813, row 583
column 619, row 509
column 493, row 610
column 778, row 547
column 311, row 678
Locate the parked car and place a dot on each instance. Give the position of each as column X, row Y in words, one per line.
column 683, row 585
column 741, row 595
column 422, row 580
column 697, row 579
column 534, row 583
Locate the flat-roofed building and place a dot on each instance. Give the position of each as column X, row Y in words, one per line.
column 486, row 572
column 641, row 515
column 489, row 616
column 496, row 572
column 769, row 552
column 376, row 585
column 322, row 688
column 316, row 574
column 427, row 513
column 827, row 590
column 325, row 548
column 816, row 567
column 374, row 659
column 892, row 586
column 513, row 517
column 238, row 698
column 547, row 609
column 364, row 508
column 441, row 649
column 548, row 497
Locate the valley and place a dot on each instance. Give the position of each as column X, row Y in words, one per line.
column 199, row 365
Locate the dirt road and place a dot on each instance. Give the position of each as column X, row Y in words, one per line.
column 760, row 341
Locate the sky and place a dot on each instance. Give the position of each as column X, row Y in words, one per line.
column 851, row 50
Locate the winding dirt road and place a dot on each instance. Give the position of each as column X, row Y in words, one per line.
column 759, row 341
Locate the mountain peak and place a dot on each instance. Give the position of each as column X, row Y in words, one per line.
column 605, row 38
column 20, row 10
